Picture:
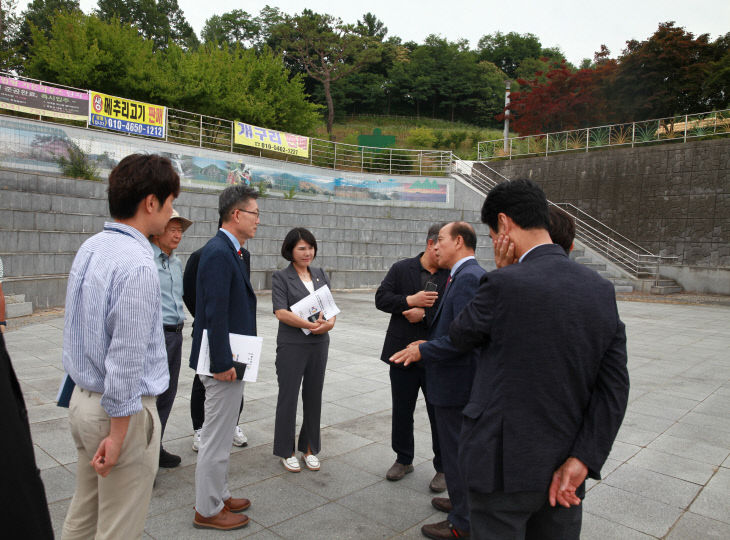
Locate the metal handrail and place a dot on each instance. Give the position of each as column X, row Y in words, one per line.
column 193, row 129
column 671, row 128
column 611, row 244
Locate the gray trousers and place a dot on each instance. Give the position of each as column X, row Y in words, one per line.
column 299, row 365
column 222, row 399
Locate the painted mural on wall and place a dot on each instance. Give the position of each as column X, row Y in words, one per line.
column 37, row 146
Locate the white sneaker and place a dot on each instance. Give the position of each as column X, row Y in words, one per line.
column 291, row 464
column 311, row 461
column 239, row 438
column 196, row 440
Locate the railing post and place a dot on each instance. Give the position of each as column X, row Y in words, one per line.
column 334, row 163
column 167, row 121
column 547, row 143
column 633, row 133
column 201, row 131
column 686, row 120
column 420, row 163
column 588, row 137
column 362, row 159
column 233, row 134
column 510, row 148
column 390, row 162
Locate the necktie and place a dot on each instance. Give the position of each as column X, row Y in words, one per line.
column 448, row 282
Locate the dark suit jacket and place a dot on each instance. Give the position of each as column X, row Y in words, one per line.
column 404, row 279
column 190, row 276
column 287, row 289
column 551, row 381
column 449, row 371
column 225, row 302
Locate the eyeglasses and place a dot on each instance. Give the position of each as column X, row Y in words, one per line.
column 256, row 213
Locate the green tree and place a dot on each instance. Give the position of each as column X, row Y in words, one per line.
column 159, row 20
column 507, row 51
column 233, row 27
column 40, row 14
column 9, row 27
column 326, row 49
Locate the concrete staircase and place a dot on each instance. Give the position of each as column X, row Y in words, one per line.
column 16, row 306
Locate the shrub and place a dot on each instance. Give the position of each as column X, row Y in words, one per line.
column 77, row 163
column 423, row 137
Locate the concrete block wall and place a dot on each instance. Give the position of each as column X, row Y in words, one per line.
column 45, row 219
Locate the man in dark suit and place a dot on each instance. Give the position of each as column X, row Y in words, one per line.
column 449, row 371
column 551, row 383
column 403, row 294
column 225, row 303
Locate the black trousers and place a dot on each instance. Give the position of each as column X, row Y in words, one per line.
column 404, row 387
column 299, row 366
column 448, row 420
column 524, row 515
column 197, row 404
column 173, row 344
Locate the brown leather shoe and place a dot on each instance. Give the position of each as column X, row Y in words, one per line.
column 443, row 531
column 397, row 471
column 224, row 521
column 442, row 504
column 237, row 505
column 438, row 484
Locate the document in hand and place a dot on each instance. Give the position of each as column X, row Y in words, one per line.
column 245, row 349
column 310, row 306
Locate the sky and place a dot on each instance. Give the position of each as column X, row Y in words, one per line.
column 577, row 27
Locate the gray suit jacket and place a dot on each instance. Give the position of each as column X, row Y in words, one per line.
column 287, row 289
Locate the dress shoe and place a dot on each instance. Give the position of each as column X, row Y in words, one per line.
column 443, row 530
column 438, row 483
column 237, row 505
column 168, row 460
column 442, row 504
column 398, row 471
column 224, row 520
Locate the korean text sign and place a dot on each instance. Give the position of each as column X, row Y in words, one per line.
column 33, row 98
column 270, row 139
column 125, row 115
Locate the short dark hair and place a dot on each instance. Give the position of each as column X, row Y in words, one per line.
column 466, row 231
column 292, row 239
column 433, row 231
column 233, row 195
column 136, row 177
column 562, row 228
column 521, row 200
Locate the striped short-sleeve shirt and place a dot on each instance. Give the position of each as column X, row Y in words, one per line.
column 113, row 342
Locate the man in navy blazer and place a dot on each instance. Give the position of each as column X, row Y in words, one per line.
column 225, row 303
column 551, row 383
column 449, row 371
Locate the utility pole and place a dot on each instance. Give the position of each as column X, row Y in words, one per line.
column 507, row 84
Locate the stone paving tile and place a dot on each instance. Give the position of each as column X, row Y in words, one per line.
column 332, row 522
column 671, row 465
column 58, row 511
column 692, row 526
column 59, row 483
column 333, row 481
column 653, row 485
column 631, row 510
column 714, row 500
column 597, row 528
column 178, row 525
column 43, row 460
column 375, row 458
column 276, row 500
column 691, row 449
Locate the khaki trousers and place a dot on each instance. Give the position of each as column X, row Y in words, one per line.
column 115, row 506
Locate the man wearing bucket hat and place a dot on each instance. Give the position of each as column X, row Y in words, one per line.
column 170, row 271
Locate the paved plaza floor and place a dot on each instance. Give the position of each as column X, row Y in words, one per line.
column 668, row 475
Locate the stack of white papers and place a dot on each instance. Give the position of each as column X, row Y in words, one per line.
column 320, row 301
column 244, row 349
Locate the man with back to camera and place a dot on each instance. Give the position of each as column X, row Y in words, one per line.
column 551, row 383
column 403, row 294
column 225, row 303
column 449, row 371
column 114, row 350
column 169, row 269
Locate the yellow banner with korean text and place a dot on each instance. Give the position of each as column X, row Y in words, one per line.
column 126, row 115
column 270, row 139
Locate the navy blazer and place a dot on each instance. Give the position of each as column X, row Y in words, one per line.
column 551, row 381
column 224, row 302
column 449, row 371
column 404, row 279
column 286, row 290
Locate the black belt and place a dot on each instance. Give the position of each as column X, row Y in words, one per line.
column 176, row 328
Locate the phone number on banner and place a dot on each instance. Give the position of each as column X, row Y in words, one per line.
column 126, row 126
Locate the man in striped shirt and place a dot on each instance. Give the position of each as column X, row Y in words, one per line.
column 114, row 350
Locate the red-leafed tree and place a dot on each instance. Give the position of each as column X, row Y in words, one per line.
column 562, row 99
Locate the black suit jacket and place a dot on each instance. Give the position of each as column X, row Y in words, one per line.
column 286, row 290
column 551, row 381
column 404, row 279
column 225, row 302
column 449, row 371
column 190, row 276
